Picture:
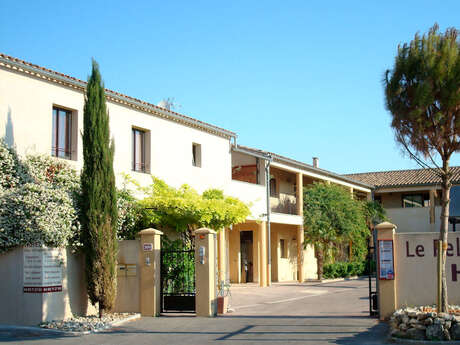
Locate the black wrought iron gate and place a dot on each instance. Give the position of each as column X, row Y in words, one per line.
column 371, row 263
column 177, row 294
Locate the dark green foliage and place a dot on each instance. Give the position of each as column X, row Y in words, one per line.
column 344, row 269
column 332, row 216
column 99, row 198
column 374, row 213
column 178, row 267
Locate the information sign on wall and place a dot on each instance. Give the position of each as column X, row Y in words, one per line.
column 42, row 270
column 386, row 261
column 148, row 247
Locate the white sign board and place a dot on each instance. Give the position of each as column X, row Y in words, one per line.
column 148, row 247
column 386, row 264
column 42, row 270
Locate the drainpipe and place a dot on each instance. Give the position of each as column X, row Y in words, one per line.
column 267, row 187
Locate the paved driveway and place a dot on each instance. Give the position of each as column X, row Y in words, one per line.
column 332, row 313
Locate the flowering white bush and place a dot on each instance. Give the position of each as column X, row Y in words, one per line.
column 129, row 215
column 38, row 201
column 12, row 172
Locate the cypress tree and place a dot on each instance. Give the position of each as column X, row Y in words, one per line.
column 98, row 202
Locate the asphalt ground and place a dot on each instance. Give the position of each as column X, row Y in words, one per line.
column 289, row 313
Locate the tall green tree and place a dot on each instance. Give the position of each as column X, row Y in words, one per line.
column 332, row 216
column 423, row 96
column 99, row 201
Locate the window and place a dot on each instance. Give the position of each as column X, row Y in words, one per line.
column 139, row 150
column 415, row 200
column 283, row 253
column 61, row 145
column 196, row 155
column 273, row 187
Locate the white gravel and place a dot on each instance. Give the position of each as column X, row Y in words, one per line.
column 87, row 323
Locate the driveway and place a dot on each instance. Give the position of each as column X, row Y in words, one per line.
column 331, row 313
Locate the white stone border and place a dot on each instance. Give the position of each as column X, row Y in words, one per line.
column 70, row 333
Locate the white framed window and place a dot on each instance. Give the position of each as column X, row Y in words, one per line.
column 196, row 155
column 64, row 133
column 141, row 150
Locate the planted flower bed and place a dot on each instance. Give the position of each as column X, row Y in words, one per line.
column 424, row 323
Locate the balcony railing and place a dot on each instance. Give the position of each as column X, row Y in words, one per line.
column 283, row 204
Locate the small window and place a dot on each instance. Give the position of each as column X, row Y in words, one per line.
column 139, row 150
column 415, row 200
column 283, row 253
column 61, row 145
column 196, row 155
column 273, row 187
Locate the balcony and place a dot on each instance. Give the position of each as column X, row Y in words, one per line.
column 286, row 204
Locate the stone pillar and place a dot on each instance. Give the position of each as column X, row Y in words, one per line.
column 300, row 249
column 386, row 288
column 222, row 258
column 263, row 254
column 149, row 260
column 205, row 272
column 299, row 193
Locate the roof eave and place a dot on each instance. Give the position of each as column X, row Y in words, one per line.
column 42, row 73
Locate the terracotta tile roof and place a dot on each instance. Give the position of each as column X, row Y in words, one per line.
column 289, row 161
column 48, row 74
column 403, row 178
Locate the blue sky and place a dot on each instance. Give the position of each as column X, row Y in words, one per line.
column 299, row 78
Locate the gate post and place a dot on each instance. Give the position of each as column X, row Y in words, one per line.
column 205, row 272
column 149, row 260
column 386, row 287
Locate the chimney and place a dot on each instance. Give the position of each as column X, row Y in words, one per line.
column 315, row 162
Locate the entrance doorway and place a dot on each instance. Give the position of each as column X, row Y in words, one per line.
column 247, row 256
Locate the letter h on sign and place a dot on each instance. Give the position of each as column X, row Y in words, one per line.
column 455, row 272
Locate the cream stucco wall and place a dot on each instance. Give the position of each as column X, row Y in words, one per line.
column 26, row 113
column 416, row 274
column 416, row 219
column 128, row 281
column 284, row 269
column 22, row 308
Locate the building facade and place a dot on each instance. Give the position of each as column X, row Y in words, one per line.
column 411, row 198
column 41, row 112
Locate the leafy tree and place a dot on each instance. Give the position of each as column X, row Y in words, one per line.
column 374, row 213
column 332, row 216
column 185, row 210
column 99, row 199
column 423, row 96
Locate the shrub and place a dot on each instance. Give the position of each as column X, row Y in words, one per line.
column 344, row 269
column 129, row 215
column 37, row 201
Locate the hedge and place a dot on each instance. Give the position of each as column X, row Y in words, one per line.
column 344, row 269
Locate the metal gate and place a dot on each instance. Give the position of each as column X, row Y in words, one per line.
column 371, row 268
column 177, row 293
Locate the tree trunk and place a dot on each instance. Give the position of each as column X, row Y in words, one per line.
column 101, row 312
column 319, row 260
column 446, row 184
